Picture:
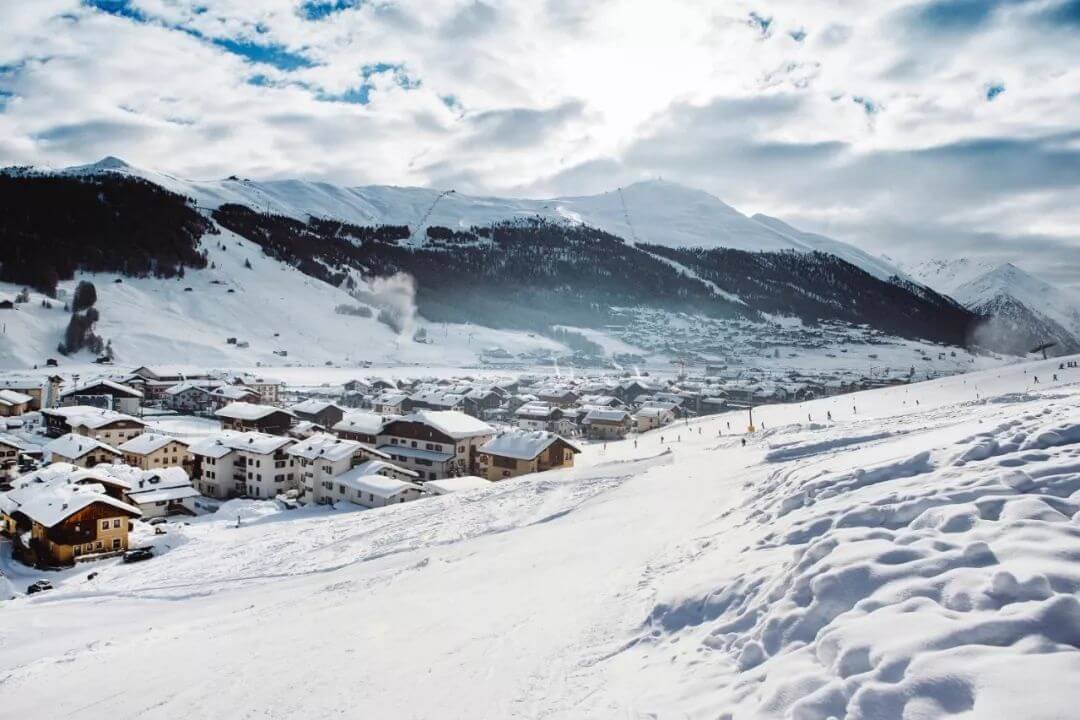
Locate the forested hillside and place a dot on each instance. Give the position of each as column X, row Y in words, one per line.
column 53, row 225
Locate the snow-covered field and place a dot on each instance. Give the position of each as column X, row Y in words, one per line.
column 915, row 556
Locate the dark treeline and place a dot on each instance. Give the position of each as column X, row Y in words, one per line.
column 52, row 225
column 527, row 274
column 818, row 286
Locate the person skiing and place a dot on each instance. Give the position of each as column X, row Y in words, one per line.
column 743, row 442
column 828, row 414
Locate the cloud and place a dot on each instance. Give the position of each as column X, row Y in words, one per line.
column 888, row 124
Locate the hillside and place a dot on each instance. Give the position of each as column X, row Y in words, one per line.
column 902, row 560
column 1021, row 310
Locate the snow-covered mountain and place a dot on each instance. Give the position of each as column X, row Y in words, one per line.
column 657, row 212
column 1022, row 310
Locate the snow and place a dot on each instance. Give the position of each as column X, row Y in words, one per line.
column 378, row 485
column 913, row 557
column 361, row 421
column 312, row 406
column 220, row 445
column 147, row 443
column 247, row 411
column 326, row 446
column 10, row 398
column 452, row 423
column 521, row 445
column 465, row 483
column 102, row 382
column 75, row 446
column 58, row 492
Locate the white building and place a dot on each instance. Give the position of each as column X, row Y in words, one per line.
column 251, row 464
column 324, row 458
column 436, row 444
column 156, row 493
column 375, row 490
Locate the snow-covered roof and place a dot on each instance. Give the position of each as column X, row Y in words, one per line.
column 234, row 392
column 147, row 443
column 456, row 484
column 536, row 410
column 248, row 411
column 421, row 453
column 55, row 493
column 107, row 384
column 220, row 445
column 100, row 418
column 368, row 423
column 378, row 485
column 76, row 446
column 9, row 398
column 312, row 406
column 12, row 441
column 523, row 445
column 605, row 416
column 380, row 467
column 325, row 447
column 452, row 423
column 162, row 494
column 200, row 386
column 652, row 411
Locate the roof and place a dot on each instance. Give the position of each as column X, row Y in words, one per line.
column 56, row 493
column 147, row 443
column 523, row 445
column 220, row 445
column 605, row 416
column 107, row 384
column 248, row 411
column 12, row 441
column 452, row 423
column 378, row 467
column 76, row 446
column 204, row 386
column 652, row 411
column 378, row 485
column 406, row 451
column 162, row 494
column 368, row 423
column 326, row 447
column 456, row 484
column 100, row 418
column 10, row 397
column 234, row 392
column 537, row 410
column 313, row 406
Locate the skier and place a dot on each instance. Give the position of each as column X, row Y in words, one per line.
column 744, row 442
column 828, row 414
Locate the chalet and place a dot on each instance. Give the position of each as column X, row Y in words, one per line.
column 222, row 396
column 628, row 391
column 10, row 451
column 268, row 389
column 56, row 420
column 63, row 515
column 155, row 383
column 108, row 426
column 651, row 417
column 433, row 399
column 558, row 396
column 371, row 490
column 106, row 394
column 436, row 444
column 601, row 401
column 357, row 386
column 243, row 417
column 362, row 426
column 389, row 403
column 519, row 453
column 323, row 458
column 151, row 451
column 480, row 402
column 464, row 483
column 42, row 394
column 544, row 416
column 606, row 424
column 251, row 464
column 319, row 412
column 14, row 403
column 162, row 492
column 191, row 396
column 85, row 452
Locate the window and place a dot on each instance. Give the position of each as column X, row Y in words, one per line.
column 99, row 545
column 116, row 544
column 104, row 524
column 116, row 523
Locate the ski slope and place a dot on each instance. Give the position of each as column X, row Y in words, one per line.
column 914, row 556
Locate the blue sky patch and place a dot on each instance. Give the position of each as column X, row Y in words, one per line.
column 264, row 53
column 120, row 8
column 319, row 9
column 994, row 90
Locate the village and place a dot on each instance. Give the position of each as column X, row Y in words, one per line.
column 83, row 463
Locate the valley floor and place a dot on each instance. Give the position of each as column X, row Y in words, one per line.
column 915, row 556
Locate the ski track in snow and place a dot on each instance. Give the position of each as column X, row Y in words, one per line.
column 905, row 561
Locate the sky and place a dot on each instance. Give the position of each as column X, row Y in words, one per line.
column 917, row 129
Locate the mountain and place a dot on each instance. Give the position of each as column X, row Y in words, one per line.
column 504, row 264
column 1021, row 310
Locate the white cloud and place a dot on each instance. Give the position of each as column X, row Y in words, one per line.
column 864, row 122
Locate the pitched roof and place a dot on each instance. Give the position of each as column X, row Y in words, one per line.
column 523, row 445
column 57, row 492
column 107, row 384
column 147, row 443
column 378, row 485
column 220, row 445
column 325, row 446
column 456, row 484
column 76, row 446
column 605, row 416
column 100, row 418
column 452, row 423
column 313, row 406
column 248, row 411
column 368, row 423
column 10, row 397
